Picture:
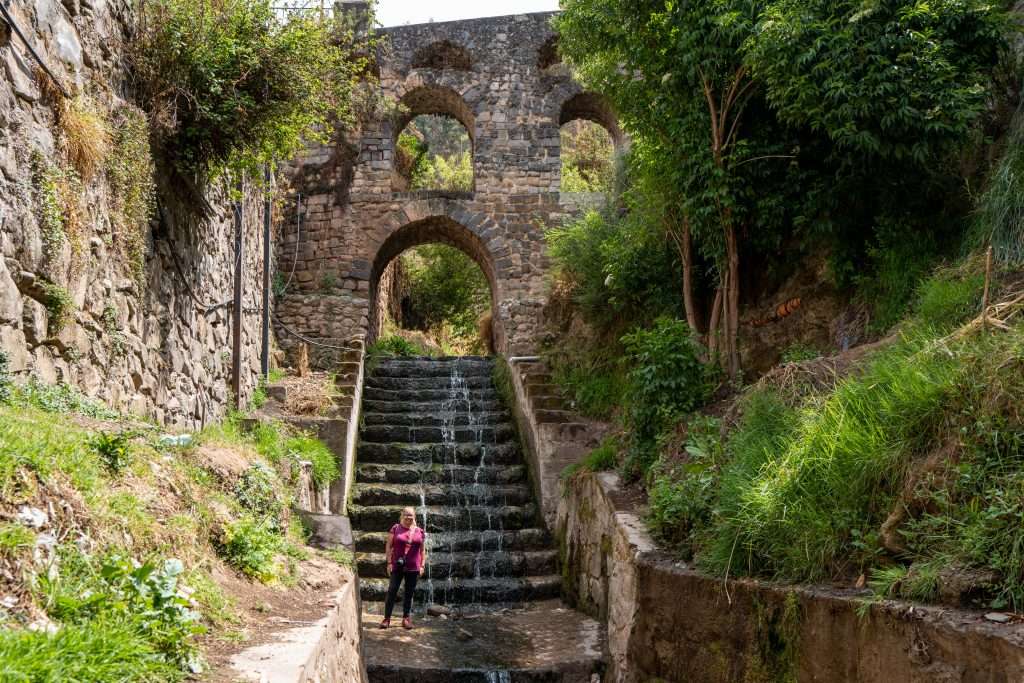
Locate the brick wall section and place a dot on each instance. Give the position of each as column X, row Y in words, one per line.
column 355, row 218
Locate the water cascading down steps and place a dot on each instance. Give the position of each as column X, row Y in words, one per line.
column 436, row 436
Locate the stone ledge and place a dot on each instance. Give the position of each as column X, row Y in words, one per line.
column 328, row 650
column 667, row 621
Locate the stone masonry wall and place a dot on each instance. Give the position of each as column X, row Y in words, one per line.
column 497, row 78
column 138, row 343
column 668, row 622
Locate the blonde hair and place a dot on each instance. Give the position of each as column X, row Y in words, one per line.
column 413, row 511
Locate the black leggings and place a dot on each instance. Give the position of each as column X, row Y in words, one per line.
column 410, row 588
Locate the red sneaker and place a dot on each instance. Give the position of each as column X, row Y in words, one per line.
column 385, row 623
column 407, row 622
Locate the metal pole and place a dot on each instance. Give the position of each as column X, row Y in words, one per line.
column 236, row 327
column 265, row 349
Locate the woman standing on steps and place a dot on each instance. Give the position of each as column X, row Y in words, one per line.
column 406, row 557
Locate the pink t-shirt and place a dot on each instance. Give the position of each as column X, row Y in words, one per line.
column 407, row 543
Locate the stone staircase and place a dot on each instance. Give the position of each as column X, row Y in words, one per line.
column 435, row 435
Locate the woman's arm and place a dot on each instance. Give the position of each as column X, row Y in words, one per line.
column 423, row 554
column 387, row 553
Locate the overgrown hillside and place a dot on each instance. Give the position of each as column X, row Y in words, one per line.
column 130, row 555
column 790, row 309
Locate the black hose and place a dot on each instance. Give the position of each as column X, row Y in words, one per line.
column 13, row 24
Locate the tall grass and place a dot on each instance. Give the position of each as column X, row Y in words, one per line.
column 797, row 506
column 999, row 220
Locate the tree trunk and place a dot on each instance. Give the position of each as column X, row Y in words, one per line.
column 732, row 299
column 686, row 253
column 716, row 317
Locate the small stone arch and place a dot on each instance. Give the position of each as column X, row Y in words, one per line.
column 435, row 99
column 592, row 107
column 425, row 100
column 444, row 229
column 443, row 54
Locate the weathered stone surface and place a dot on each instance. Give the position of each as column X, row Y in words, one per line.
column 142, row 346
column 328, row 650
column 542, row 643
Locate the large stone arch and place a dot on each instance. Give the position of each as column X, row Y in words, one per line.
column 469, row 232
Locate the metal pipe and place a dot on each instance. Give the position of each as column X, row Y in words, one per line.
column 265, row 346
column 236, row 326
column 523, row 359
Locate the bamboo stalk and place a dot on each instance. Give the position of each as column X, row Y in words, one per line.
column 988, row 282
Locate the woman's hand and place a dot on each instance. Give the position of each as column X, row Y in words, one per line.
column 387, row 568
column 422, row 569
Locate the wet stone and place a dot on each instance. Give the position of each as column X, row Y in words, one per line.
column 435, row 436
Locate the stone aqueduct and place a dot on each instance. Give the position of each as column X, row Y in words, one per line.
column 349, row 217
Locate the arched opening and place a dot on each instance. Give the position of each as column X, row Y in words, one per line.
column 432, row 288
column 433, row 143
column 443, row 54
column 590, row 141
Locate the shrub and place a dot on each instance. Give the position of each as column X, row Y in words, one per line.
column 86, row 135
column 59, row 305
column 130, row 173
column 59, row 398
column 682, row 490
column 114, row 449
column 117, row 593
column 231, row 84
column 620, row 271
column 443, row 284
column 310, row 449
column 47, row 180
column 257, row 492
column 667, row 380
column 593, row 376
column 587, row 151
column 453, row 174
column 252, row 546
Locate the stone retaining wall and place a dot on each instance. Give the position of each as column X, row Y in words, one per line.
column 139, row 342
column 327, row 651
column 667, row 622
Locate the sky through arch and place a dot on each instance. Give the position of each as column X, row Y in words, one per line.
column 399, row 12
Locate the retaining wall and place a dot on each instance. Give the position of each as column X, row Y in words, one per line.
column 139, row 342
column 667, row 622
